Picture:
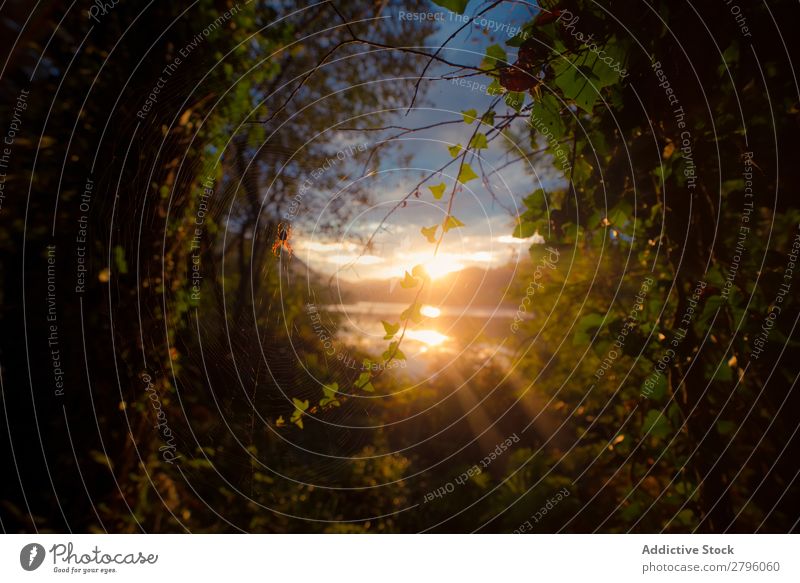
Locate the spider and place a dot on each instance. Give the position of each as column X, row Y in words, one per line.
column 282, row 240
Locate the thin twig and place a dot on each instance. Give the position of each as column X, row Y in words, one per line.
column 447, row 40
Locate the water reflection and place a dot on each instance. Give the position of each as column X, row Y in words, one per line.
column 427, row 337
column 430, row 312
column 445, row 332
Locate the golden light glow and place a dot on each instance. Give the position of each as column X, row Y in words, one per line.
column 430, row 312
column 441, row 265
column 427, row 337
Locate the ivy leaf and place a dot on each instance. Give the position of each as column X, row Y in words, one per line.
column 393, row 352
column 466, row 174
column 478, row 142
column 451, row 223
column 329, row 393
column 409, row 281
column 299, row 408
column 470, row 115
column 363, row 382
column 438, row 190
column 457, row 6
column 412, row 313
column 390, row 329
column 430, row 233
column 454, row 150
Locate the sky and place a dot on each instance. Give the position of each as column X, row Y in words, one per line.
column 485, row 239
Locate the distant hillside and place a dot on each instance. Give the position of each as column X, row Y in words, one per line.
column 472, row 285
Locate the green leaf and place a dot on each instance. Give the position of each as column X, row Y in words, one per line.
column 658, row 389
column 722, row 372
column 620, row 214
column 470, row 115
column 438, row 191
column 329, row 393
column 521, row 36
column 586, row 328
column 466, row 174
column 586, row 72
column 631, row 511
column 488, row 117
column 557, row 199
column 534, row 201
column 495, row 57
column 457, row 6
column 409, row 281
column 393, row 352
column 515, row 100
column 525, row 229
column 363, row 380
column 607, row 74
column 713, row 303
column 478, row 142
column 451, row 223
column 390, row 329
column 656, row 425
column 571, row 233
column 119, row 260
column 546, row 116
column 101, row 459
column 495, row 88
column 412, row 313
column 725, row 427
column 454, row 150
column 582, row 83
column 430, row 233
column 297, row 416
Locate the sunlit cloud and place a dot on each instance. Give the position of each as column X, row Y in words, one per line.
column 480, row 257
column 535, row 239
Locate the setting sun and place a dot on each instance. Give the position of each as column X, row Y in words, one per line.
column 442, row 265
